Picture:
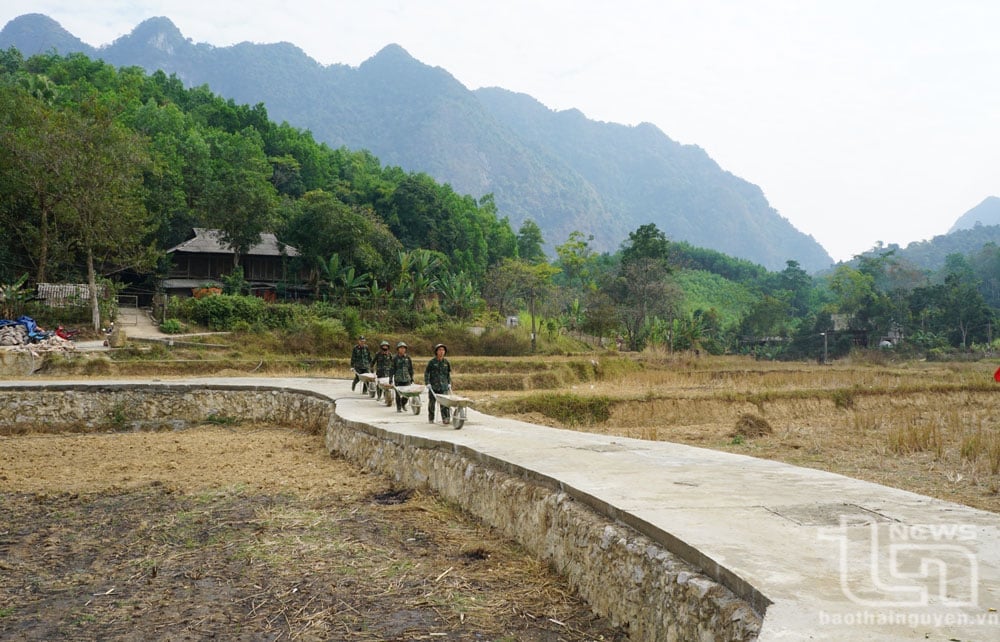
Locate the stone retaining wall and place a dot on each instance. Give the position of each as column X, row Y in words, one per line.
column 123, row 407
column 622, row 574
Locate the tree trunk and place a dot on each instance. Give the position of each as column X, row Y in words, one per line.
column 532, row 306
column 95, row 308
column 43, row 240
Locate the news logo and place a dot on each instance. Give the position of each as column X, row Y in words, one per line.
column 892, row 565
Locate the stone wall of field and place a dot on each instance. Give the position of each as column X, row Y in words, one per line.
column 128, row 407
column 622, row 574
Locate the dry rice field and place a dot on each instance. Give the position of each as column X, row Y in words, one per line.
column 931, row 428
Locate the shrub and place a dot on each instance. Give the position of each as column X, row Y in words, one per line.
column 318, row 336
column 172, row 326
column 843, row 399
column 350, row 319
column 286, row 316
column 500, row 342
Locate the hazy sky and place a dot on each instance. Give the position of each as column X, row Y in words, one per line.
column 862, row 120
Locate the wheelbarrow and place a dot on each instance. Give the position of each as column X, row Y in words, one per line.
column 412, row 394
column 458, row 406
column 387, row 388
column 368, row 380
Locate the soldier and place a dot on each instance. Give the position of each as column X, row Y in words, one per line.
column 382, row 365
column 402, row 373
column 438, row 377
column 361, row 359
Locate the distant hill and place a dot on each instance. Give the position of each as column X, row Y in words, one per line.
column 974, row 229
column 35, row 33
column 986, row 213
column 560, row 169
column 930, row 254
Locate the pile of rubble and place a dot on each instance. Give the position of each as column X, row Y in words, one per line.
column 15, row 337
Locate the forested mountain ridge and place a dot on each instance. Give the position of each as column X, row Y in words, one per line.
column 102, row 168
column 986, row 213
column 930, row 255
column 557, row 168
column 639, row 168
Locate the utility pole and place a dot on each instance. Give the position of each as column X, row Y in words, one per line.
column 823, row 334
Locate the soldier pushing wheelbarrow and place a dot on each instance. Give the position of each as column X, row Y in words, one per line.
column 382, row 365
column 437, row 376
column 361, row 360
column 402, row 380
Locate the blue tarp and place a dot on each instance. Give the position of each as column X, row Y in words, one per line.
column 29, row 324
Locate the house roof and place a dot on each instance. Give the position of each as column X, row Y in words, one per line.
column 207, row 241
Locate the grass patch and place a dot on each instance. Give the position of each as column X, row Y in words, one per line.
column 916, row 436
column 569, row 409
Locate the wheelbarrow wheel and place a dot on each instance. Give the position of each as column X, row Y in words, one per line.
column 371, row 390
column 415, row 405
column 457, row 421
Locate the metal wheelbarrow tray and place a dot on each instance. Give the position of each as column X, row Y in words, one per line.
column 412, row 393
column 458, row 406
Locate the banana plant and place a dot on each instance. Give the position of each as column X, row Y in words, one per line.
column 417, row 281
column 459, row 296
column 354, row 285
column 13, row 298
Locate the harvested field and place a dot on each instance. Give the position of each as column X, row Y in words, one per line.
column 930, row 428
column 251, row 533
column 177, row 536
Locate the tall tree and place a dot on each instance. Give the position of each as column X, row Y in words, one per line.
column 108, row 220
column 646, row 242
column 241, row 201
column 319, row 224
column 639, row 291
column 519, row 280
column 39, row 157
column 530, row 242
column 501, row 287
column 577, row 259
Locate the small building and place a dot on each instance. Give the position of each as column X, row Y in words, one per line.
column 204, row 259
column 62, row 295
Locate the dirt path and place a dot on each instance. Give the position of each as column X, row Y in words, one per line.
column 251, row 533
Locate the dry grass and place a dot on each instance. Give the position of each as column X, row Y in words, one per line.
column 251, row 533
column 925, row 427
column 751, row 426
column 931, row 428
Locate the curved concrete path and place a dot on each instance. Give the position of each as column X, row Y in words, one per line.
column 825, row 557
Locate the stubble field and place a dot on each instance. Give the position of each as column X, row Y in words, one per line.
column 184, row 535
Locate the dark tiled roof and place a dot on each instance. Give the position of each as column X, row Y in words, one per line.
column 207, row 241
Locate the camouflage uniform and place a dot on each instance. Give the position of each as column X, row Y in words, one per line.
column 361, row 359
column 401, row 375
column 438, row 377
column 382, row 365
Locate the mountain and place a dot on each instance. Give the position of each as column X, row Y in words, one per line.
column 559, row 169
column 639, row 171
column 931, row 254
column 34, row 33
column 986, row 213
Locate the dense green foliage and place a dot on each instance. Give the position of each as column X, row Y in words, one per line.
column 103, row 169
column 198, row 160
column 559, row 169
